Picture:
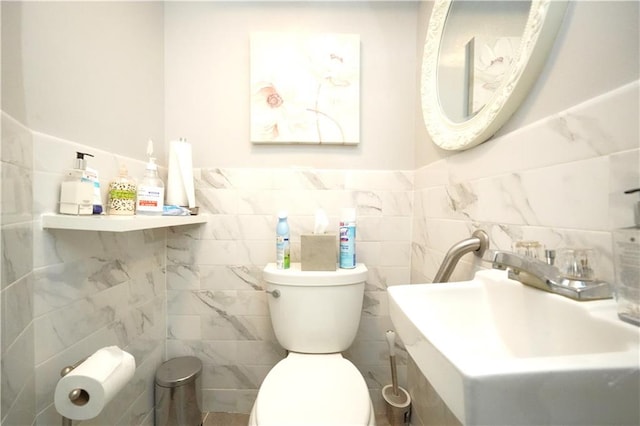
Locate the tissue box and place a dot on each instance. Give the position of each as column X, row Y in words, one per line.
column 319, row 252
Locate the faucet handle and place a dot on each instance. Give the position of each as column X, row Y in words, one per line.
column 532, row 249
column 550, row 256
column 577, row 264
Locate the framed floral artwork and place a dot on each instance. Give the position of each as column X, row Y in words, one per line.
column 305, row 88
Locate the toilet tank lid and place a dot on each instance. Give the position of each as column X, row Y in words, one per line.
column 295, row 276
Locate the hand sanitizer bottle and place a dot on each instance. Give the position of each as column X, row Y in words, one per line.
column 150, row 199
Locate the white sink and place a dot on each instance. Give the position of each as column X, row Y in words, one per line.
column 500, row 352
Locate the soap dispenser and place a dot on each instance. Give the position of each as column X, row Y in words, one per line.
column 76, row 190
column 626, row 260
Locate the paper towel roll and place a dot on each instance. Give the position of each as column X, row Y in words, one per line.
column 100, row 377
column 180, row 188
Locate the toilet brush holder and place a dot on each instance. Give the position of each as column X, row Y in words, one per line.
column 397, row 400
column 398, row 407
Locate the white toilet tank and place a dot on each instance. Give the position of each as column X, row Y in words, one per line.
column 315, row 311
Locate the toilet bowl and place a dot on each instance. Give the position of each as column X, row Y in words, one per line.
column 315, row 316
column 309, row 389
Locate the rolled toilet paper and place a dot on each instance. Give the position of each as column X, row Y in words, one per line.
column 99, row 378
column 180, row 189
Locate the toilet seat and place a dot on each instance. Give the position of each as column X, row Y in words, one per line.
column 313, row 389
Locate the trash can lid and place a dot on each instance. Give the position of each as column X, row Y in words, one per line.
column 178, row 371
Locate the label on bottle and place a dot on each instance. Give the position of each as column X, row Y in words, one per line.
column 122, row 198
column 283, row 256
column 150, row 199
column 347, row 245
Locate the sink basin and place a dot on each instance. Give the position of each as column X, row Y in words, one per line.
column 500, row 352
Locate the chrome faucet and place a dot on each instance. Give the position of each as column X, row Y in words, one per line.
column 547, row 277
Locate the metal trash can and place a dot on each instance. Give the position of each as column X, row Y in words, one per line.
column 178, row 393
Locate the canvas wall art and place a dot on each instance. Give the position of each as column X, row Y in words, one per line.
column 305, row 88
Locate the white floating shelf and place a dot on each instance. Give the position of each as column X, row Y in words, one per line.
column 116, row 223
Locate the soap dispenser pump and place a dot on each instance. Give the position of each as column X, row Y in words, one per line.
column 636, row 207
column 80, row 162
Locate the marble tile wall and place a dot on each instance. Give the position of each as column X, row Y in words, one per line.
column 16, row 284
column 102, row 289
column 94, row 289
column 217, row 309
column 558, row 181
column 66, row 294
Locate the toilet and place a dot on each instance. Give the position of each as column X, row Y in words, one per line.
column 315, row 316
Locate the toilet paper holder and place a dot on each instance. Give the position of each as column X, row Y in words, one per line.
column 77, row 396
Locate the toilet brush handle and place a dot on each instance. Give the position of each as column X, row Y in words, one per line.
column 391, row 340
column 394, row 375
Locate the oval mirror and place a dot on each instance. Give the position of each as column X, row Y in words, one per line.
column 480, row 60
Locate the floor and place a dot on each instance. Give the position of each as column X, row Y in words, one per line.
column 235, row 419
column 225, row 419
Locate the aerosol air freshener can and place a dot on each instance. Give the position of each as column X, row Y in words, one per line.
column 348, row 238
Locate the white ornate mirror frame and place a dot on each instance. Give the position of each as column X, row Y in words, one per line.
column 543, row 22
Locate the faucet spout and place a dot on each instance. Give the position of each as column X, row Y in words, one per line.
column 478, row 244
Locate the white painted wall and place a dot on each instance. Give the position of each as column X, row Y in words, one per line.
column 596, row 51
column 207, row 80
column 81, row 88
column 90, row 72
